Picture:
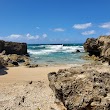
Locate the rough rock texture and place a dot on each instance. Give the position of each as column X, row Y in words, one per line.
column 12, row 60
column 82, row 88
column 99, row 47
column 1, row 63
column 91, row 46
column 12, row 53
column 13, row 47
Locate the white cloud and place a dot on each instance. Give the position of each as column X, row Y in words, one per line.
column 18, row 36
column 105, row 25
column 58, row 29
column 82, row 26
column 14, row 36
column 88, row 32
column 23, row 38
column 44, row 35
column 30, row 37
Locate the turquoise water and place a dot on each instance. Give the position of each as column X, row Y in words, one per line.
column 56, row 54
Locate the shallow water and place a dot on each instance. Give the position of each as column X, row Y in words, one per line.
column 56, row 54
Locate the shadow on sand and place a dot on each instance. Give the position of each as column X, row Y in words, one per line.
column 3, row 71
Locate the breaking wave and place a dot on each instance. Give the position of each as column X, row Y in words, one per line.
column 48, row 49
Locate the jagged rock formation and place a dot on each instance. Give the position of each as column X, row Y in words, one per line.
column 12, row 60
column 12, row 53
column 82, row 88
column 13, row 47
column 99, row 47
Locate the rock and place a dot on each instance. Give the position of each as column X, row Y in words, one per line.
column 93, row 57
column 21, row 60
column 13, row 47
column 33, row 65
column 15, row 63
column 26, row 64
column 13, row 53
column 1, row 64
column 99, row 47
column 3, row 52
column 1, row 45
column 81, row 89
column 27, row 55
column 77, row 50
column 92, row 47
column 14, row 59
column 18, row 58
column 10, row 65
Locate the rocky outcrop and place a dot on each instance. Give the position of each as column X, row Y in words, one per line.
column 82, row 88
column 13, row 60
column 1, row 45
column 13, row 47
column 99, row 47
column 1, row 63
column 91, row 46
column 12, row 54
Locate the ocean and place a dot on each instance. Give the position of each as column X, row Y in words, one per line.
column 56, row 54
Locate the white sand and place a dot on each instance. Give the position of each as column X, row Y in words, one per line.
column 28, row 74
column 16, row 92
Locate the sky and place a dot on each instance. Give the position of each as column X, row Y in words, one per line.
column 53, row 21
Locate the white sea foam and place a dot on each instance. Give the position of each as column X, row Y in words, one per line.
column 69, row 49
column 41, row 52
column 48, row 49
column 57, row 47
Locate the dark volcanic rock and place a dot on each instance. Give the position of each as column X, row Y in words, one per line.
column 77, row 50
column 81, row 89
column 13, row 47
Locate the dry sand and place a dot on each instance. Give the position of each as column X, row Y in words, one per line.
column 28, row 74
column 23, row 88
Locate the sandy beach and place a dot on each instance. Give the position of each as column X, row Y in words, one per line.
column 23, row 88
column 23, row 73
column 54, row 55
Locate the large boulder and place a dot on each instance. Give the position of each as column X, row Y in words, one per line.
column 99, row 47
column 81, row 89
column 91, row 46
column 13, row 47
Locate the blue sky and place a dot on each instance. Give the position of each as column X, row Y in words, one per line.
column 53, row 21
